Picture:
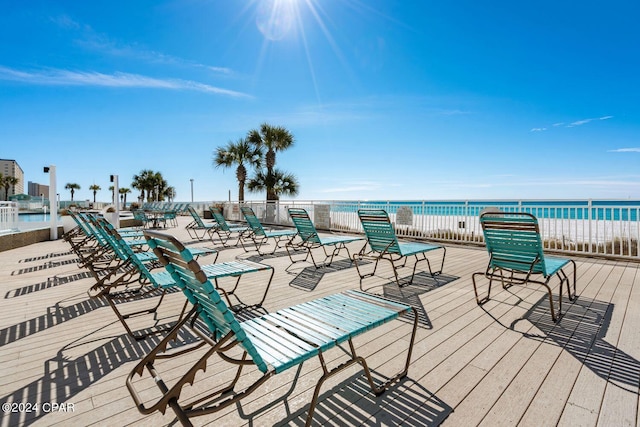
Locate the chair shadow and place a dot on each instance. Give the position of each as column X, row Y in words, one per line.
column 44, row 266
column 405, row 403
column 309, row 277
column 581, row 331
column 57, row 314
column 257, row 257
column 410, row 294
column 63, row 377
column 47, row 256
column 49, row 283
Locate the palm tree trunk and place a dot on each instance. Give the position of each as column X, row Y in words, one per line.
column 241, row 191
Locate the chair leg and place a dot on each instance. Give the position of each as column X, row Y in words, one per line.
column 553, row 312
column 479, row 300
column 377, row 390
column 361, row 256
column 111, row 300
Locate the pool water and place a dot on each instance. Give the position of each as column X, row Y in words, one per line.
column 35, row 217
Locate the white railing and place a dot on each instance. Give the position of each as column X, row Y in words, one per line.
column 589, row 227
column 8, row 217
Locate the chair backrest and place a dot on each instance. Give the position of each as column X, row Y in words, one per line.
column 513, row 241
column 306, row 230
column 196, row 217
column 219, row 218
column 100, row 226
column 81, row 223
column 252, row 220
column 140, row 216
column 91, row 229
column 188, row 275
column 379, row 230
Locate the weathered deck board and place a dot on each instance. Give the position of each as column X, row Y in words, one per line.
column 505, row 363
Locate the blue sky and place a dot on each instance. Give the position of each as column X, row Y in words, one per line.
column 387, row 99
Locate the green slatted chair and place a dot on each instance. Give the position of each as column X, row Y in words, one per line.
column 136, row 282
column 516, row 255
column 271, row 343
column 309, row 239
column 384, row 245
column 140, row 215
column 259, row 236
column 198, row 225
column 224, row 231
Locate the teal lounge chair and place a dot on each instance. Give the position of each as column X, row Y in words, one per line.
column 136, row 282
column 170, row 216
column 259, row 236
column 309, row 239
column 145, row 220
column 198, row 225
column 384, row 245
column 516, row 255
column 139, row 280
column 269, row 344
column 224, row 231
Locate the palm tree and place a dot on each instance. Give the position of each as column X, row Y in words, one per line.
column 157, row 187
column 95, row 188
column 274, row 139
column 143, row 183
column 239, row 153
column 170, row 192
column 72, row 186
column 281, row 183
column 9, row 181
column 123, row 196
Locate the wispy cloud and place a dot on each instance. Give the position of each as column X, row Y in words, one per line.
column 625, row 150
column 579, row 122
column 572, row 124
column 91, row 40
column 57, row 77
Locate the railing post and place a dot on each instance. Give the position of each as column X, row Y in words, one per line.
column 589, row 220
column 466, row 220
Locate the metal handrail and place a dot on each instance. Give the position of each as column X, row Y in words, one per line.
column 589, row 227
column 8, row 217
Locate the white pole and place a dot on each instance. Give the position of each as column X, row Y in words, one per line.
column 116, row 192
column 53, row 211
column 191, row 190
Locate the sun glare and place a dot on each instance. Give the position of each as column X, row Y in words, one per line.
column 276, row 18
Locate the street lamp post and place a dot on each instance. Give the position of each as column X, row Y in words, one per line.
column 116, row 190
column 191, row 189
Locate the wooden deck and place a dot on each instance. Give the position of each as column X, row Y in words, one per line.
column 505, row 363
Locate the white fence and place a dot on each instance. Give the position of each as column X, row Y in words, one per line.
column 590, row 227
column 8, row 217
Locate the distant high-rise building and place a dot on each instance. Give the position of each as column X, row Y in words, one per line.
column 37, row 190
column 12, row 168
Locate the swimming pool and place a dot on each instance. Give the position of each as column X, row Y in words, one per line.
column 35, row 217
